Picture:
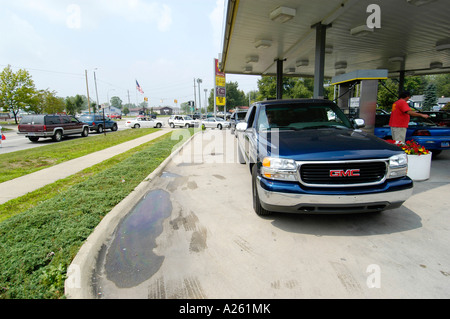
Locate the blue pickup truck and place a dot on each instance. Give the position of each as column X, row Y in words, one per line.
column 306, row 156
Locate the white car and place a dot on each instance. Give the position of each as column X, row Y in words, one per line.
column 181, row 121
column 213, row 122
column 144, row 122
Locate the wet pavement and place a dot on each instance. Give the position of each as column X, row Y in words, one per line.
column 193, row 234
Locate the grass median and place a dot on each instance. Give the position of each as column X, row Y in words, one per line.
column 16, row 164
column 38, row 244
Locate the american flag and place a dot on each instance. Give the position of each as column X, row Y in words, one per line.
column 138, row 87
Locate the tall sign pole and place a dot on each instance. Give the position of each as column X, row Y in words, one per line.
column 219, row 88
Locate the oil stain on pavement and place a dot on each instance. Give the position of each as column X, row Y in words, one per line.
column 130, row 259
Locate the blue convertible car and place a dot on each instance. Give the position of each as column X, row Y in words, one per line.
column 423, row 131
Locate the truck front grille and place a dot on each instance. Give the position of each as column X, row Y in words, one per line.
column 342, row 174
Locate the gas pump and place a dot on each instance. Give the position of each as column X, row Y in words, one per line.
column 357, row 94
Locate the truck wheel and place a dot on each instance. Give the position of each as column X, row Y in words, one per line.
column 137, row 126
column 85, row 132
column 187, row 125
column 172, row 125
column 259, row 210
column 100, row 129
column 219, row 126
column 114, row 128
column 158, row 125
column 58, row 136
column 33, row 138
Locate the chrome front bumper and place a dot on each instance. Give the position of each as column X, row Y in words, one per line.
column 305, row 203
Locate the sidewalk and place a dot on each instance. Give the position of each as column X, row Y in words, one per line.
column 28, row 183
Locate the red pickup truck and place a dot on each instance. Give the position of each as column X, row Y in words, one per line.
column 55, row 126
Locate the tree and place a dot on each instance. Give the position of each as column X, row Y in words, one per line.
column 234, row 96
column 116, row 102
column 46, row 101
column 75, row 104
column 16, row 90
column 387, row 94
column 430, row 98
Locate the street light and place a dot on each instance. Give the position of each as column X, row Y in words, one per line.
column 199, row 97
column 206, row 100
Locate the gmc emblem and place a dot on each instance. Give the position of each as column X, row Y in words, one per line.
column 344, row 173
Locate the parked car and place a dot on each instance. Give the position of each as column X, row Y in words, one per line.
column 440, row 118
column 116, row 116
column 306, row 156
column 97, row 123
column 214, row 122
column 144, row 122
column 237, row 117
column 56, row 126
column 433, row 137
column 181, row 121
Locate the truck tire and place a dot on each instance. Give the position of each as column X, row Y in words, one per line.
column 136, row 126
column 58, row 136
column 219, row 126
column 33, row 138
column 85, row 132
column 100, row 129
column 158, row 125
column 259, row 210
column 114, row 127
column 172, row 125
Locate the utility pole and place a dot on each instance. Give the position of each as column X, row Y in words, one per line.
column 195, row 96
column 87, row 88
column 96, row 92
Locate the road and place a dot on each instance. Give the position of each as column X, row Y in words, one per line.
column 15, row 142
column 195, row 235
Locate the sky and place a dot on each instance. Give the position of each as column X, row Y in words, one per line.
column 163, row 44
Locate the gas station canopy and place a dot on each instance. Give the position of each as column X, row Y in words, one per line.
column 412, row 37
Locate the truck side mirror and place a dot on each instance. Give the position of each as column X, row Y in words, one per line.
column 359, row 123
column 241, row 127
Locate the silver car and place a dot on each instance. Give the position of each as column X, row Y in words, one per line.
column 214, row 122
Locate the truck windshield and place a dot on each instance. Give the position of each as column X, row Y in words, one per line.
column 301, row 116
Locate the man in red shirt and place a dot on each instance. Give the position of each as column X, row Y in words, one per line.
column 400, row 115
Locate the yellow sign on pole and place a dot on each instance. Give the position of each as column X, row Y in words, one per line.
column 220, row 81
column 220, row 100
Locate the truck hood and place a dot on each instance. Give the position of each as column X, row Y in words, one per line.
column 325, row 144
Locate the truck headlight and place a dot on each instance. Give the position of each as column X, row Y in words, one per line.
column 279, row 169
column 398, row 166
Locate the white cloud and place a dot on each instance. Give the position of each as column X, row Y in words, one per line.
column 216, row 17
column 88, row 14
column 138, row 11
column 24, row 39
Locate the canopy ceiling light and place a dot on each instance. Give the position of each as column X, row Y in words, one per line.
column 443, row 45
column 436, row 65
column 361, row 30
column 282, row 14
column 263, row 44
column 303, row 62
column 289, row 70
column 248, row 69
column 396, row 59
column 419, row 3
column 340, row 65
column 252, row 59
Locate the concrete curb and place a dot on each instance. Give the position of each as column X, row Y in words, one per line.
column 80, row 272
